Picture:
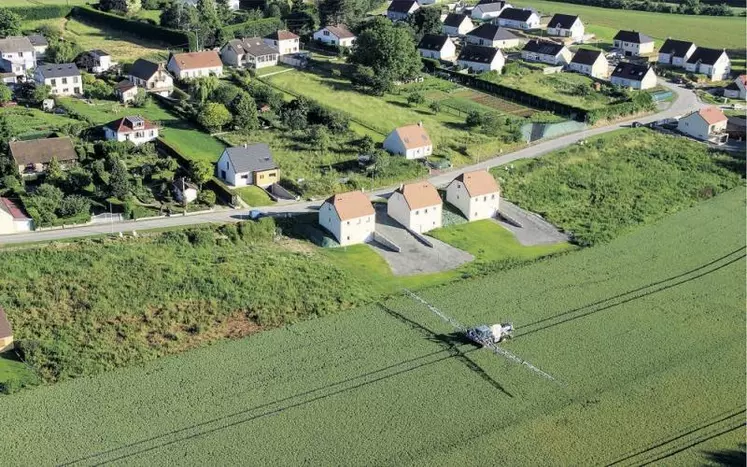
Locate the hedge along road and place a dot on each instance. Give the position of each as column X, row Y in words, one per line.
column 686, row 101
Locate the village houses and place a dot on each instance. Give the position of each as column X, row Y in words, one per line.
column 251, row 52
column 491, row 35
column 400, row 10
column 706, row 124
column 417, row 206
column 248, row 164
column 411, row 141
column 125, row 91
column 488, row 9
column 195, row 64
column 737, row 89
column 633, row 43
column 634, row 76
column 519, row 19
column 590, row 62
column 284, row 41
column 476, row 194
column 566, row 26
column 477, row 58
column 63, row 79
column 335, row 35
column 40, row 44
column 135, row 129
column 546, row 52
column 714, row 63
column 457, row 24
column 349, row 217
column 33, row 156
column 95, row 61
column 17, row 55
column 438, row 47
column 152, row 77
column 675, row 52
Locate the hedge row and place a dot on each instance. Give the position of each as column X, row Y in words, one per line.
column 172, row 37
column 642, row 102
column 41, row 11
column 255, row 28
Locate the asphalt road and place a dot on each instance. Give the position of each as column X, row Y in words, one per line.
column 686, row 101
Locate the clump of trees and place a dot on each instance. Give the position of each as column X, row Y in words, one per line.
column 10, row 23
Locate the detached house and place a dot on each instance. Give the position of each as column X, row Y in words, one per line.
column 349, row 217
column 251, row 52
column 633, row 43
column 400, row 10
column 477, row 59
column 487, row 10
column 674, row 52
column 40, row 44
column 475, row 194
column 338, row 35
column 631, row 75
column 519, row 19
column 490, row 35
column 737, row 89
column 94, row 61
column 590, row 62
column 6, row 332
column 284, row 41
column 457, row 25
column 566, row 26
column 17, row 55
column 13, row 219
column 125, row 91
column 152, row 77
column 713, row 63
column 250, row 164
column 195, row 64
column 134, row 128
column 63, row 78
column 33, row 156
column 411, row 141
column 707, row 124
column 546, row 52
column 437, row 47
column 417, row 206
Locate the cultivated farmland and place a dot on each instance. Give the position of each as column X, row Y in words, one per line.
column 650, row 361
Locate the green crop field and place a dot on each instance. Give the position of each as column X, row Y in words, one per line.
column 645, row 336
column 706, row 31
column 21, row 120
column 187, row 139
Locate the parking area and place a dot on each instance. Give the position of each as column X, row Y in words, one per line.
column 528, row 227
column 415, row 257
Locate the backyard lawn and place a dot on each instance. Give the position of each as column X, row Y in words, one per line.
column 188, row 140
column 706, row 31
column 29, row 121
column 254, row 196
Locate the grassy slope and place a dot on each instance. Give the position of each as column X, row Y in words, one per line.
column 188, row 140
column 707, row 31
column 377, row 387
column 22, row 120
column 254, row 196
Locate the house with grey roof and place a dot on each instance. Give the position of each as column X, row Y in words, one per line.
column 40, row 44
column 491, row 35
column 17, row 55
column 633, row 43
column 63, row 78
column 95, row 61
column 487, row 10
column 151, row 76
column 248, row 164
column 251, row 52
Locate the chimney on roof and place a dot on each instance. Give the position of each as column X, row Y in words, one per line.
column 420, row 123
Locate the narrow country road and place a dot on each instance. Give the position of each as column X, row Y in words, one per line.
column 686, row 101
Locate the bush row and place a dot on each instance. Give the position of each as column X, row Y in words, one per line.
column 254, row 28
column 174, row 38
column 642, row 102
column 720, row 8
column 29, row 13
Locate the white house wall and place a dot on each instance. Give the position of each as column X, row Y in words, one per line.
column 473, row 208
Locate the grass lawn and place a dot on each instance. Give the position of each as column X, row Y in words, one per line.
column 605, row 22
column 254, row 196
column 391, row 384
column 15, row 372
column 29, row 121
column 383, row 114
column 188, row 140
column 618, row 181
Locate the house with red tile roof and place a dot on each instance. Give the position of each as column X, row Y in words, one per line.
column 195, row 64
column 417, row 206
column 707, row 124
column 349, row 217
column 133, row 128
column 6, row 332
column 338, row 35
column 411, row 141
column 284, row 41
column 13, row 218
column 476, row 194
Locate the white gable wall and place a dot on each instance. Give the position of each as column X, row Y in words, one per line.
column 473, row 208
column 418, row 220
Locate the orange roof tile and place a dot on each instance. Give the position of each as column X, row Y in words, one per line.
column 420, row 195
column 194, row 60
column 413, row 136
column 712, row 115
column 351, row 205
column 479, row 183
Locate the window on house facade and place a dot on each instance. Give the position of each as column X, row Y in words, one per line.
column 64, row 80
column 245, row 176
column 53, row 82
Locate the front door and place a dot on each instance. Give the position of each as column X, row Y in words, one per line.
column 223, row 174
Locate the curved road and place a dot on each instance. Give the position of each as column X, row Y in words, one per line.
column 686, row 101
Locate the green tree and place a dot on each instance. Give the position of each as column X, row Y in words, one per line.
column 435, row 106
column 74, row 205
column 201, row 171
column 55, row 174
column 10, row 23
column 415, row 98
column 62, row 51
column 5, row 93
column 119, row 180
column 245, row 115
column 202, row 88
column 39, row 93
column 294, row 114
column 140, row 99
column 389, row 51
column 319, row 137
column 129, row 7
column 425, row 21
column 214, row 116
column 366, row 145
column 179, row 16
column 43, row 203
column 207, row 197
column 98, row 89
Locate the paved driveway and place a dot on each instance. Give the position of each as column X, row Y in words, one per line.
column 415, row 257
column 534, row 229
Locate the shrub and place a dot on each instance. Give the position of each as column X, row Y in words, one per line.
column 207, row 197
column 201, row 237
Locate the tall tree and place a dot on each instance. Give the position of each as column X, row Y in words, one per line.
column 179, row 16
column 426, row 21
column 119, row 180
column 10, row 23
column 5, row 93
column 244, row 112
column 389, row 51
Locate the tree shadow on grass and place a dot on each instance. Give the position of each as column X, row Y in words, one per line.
column 728, row 457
